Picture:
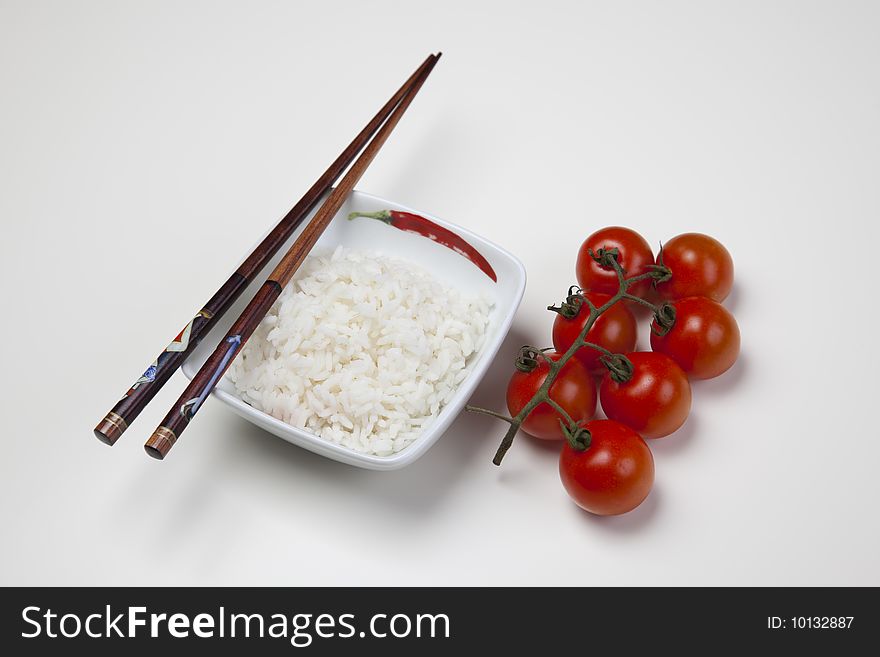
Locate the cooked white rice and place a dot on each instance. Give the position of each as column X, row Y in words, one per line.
column 362, row 350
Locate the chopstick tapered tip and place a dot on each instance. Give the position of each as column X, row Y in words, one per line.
column 160, row 443
column 110, row 429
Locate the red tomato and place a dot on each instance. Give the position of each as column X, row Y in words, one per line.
column 615, row 329
column 700, row 266
column 635, row 256
column 573, row 389
column 654, row 402
column 704, row 340
column 613, row 475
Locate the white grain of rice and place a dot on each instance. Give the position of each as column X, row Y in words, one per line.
column 361, row 349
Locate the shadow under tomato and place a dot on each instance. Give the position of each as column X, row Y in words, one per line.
column 724, row 383
column 626, row 523
column 733, row 299
column 677, row 441
column 537, row 458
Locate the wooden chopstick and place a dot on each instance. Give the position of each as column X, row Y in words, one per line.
column 145, row 388
column 181, row 414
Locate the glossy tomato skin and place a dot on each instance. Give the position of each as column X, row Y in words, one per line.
column 613, row 475
column 704, row 340
column 635, row 257
column 615, row 329
column 655, row 402
column 573, row 389
column 700, row 266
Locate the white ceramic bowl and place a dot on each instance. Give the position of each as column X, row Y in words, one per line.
column 441, row 262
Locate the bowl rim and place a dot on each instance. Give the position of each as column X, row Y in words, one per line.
column 447, row 415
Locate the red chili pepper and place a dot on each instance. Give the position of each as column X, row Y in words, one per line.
column 413, row 223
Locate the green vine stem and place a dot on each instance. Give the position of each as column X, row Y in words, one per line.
column 640, row 301
column 576, row 435
column 567, row 421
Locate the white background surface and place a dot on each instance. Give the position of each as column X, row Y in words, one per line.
column 144, row 145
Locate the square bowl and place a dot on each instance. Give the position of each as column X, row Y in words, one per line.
column 442, row 263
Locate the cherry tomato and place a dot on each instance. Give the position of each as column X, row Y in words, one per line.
column 654, row 402
column 635, row 256
column 573, row 389
column 615, row 329
column 704, row 339
column 700, row 266
column 613, row 475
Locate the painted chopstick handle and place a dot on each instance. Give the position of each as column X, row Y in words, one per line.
column 189, row 403
column 160, row 370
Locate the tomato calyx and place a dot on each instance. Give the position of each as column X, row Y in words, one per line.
column 527, row 359
column 571, row 307
column 664, row 319
column 620, row 368
column 578, row 437
column 659, row 272
column 607, row 258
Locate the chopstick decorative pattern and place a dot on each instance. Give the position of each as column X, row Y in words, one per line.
column 180, row 344
column 169, row 361
column 189, row 408
column 182, row 413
